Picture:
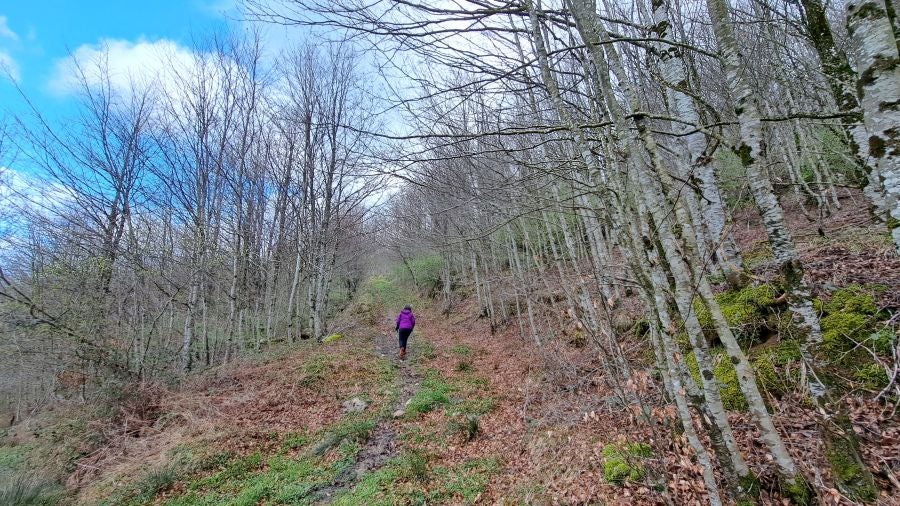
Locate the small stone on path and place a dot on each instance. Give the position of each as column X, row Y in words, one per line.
column 399, row 413
column 355, row 405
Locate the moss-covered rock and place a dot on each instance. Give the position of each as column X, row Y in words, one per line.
column 851, row 331
column 624, row 461
column 841, row 330
column 333, row 338
column 852, row 299
column 745, row 310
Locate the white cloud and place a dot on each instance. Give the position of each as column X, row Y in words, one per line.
column 8, row 66
column 143, row 63
column 21, row 190
column 5, row 31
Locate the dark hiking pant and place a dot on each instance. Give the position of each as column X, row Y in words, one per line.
column 404, row 336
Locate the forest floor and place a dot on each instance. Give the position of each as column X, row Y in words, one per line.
column 471, row 417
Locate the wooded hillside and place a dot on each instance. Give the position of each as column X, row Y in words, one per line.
column 682, row 216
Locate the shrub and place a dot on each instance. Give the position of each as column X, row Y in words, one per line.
column 428, row 271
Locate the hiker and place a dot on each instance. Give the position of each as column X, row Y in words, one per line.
column 406, row 320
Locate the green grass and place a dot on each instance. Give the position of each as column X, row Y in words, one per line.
column 278, row 479
column 462, row 349
column 426, row 350
column 14, row 457
column 20, row 483
column 315, row 370
column 408, row 479
column 294, row 440
column 27, row 489
column 289, row 470
column 477, row 406
column 465, row 481
column 435, row 391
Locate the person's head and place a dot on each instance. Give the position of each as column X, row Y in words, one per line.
column 407, row 308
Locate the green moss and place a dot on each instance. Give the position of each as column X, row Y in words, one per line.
column 749, row 487
column 852, row 299
column 842, row 330
column 758, row 255
column 770, row 363
column 332, row 338
column 884, row 340
column 745, row 310
column 726, row 376
column 818, row 305
column 623, row 461
column 797, row 491
column 873, row 376
column 892, row 223
column 852, row 478
column 782, row 322
column 683, row 340
column 759, row 296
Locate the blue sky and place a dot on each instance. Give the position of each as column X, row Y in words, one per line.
column 35, row 35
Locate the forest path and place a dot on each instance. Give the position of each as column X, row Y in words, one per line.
column 381, row 446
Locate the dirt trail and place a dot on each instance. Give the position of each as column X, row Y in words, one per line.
column 381, row 445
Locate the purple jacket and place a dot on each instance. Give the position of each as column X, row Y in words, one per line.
column 406, row 319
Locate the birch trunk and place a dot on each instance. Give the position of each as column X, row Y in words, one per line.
column 878, row 66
